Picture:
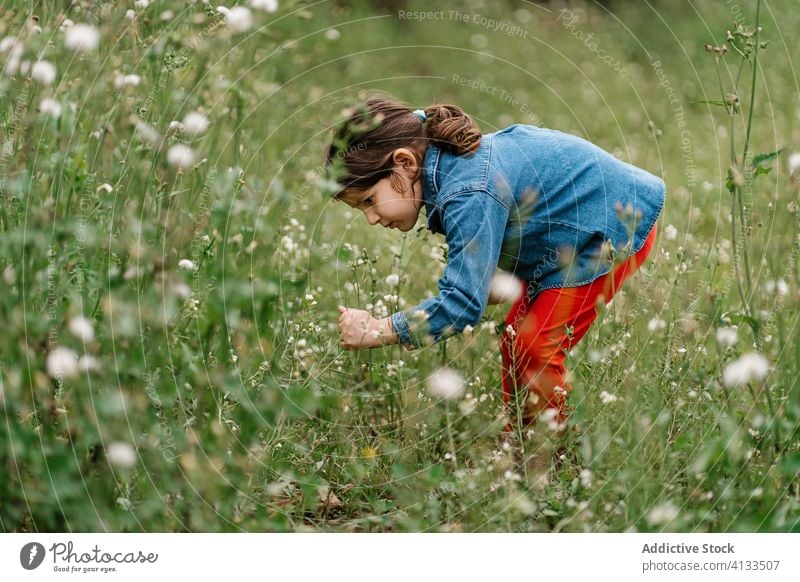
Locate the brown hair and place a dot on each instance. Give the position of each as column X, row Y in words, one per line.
column 360, row 153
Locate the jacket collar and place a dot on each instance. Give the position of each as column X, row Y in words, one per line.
column 431, row 184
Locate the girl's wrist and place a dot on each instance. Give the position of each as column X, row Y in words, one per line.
column 387, row 333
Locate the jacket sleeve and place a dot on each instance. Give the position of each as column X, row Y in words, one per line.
column 474, row 224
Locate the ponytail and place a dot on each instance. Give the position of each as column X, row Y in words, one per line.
column 451, row 129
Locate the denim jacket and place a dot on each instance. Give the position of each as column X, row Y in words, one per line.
column 550, row 207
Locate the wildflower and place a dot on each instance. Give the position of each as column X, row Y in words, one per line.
column 121, row 455
column 82, row 38
column 662, row 514
column 81, row 327
column 122, row 81
column 749, row 367
column 147, row 134
column 195, row 123
column 186, row 265
column 141, row 4
column 446, row 383
column 50, row 107
column 780, row 286
column 794, row 164
column 265, row 5
column 332, row 34
column 62, row 363
column 9, row 275
column 656, row 324
column 586, row 478
column 670, row 232
column 727, row 336
column 549, row 417
column 239, row 19
column 129, row 14
column 392, row 280
column 43, row 72
column 88, row 363
column 181, row 156
column 505, row 287
column 607, row 398
column 181, row 290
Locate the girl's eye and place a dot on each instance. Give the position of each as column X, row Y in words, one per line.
column 368, row 201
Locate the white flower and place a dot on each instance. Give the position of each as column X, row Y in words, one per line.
column 446, row 383
column 656, row 324
column 121, row 81
column 749, row 367
column 586, row 478
column 607, row 397
column 43, row 72
column 130, row 15
column 239, row 19
column 180, row 155
column 265, row 5
column 12, row 45
column 62, row 363
column 392, row 280
column 181, row 290
column 549, row 417
column 195, row 123
column 141, row 4
column 147, row 134
column 186, row 265
column 794, row 163
column 670, row 232
column 727, row 336
column 662, row 514
column 107, row 188
column 82, row 38
column 505, row 288
column 780, row 286
column 88, row 363
column 332, row 34
column 121, row 455
column 81, row 327
column 50, row 107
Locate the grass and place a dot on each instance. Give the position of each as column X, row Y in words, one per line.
column 224, row 376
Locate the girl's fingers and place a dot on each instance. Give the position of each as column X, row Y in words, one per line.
column 342, row 309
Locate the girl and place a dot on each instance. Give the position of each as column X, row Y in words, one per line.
column 564, row 216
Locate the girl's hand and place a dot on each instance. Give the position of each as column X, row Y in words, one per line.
column 358, row 330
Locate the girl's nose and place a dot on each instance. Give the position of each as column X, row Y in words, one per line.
column 372, row 217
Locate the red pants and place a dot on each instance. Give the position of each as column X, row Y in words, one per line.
column 540, row 332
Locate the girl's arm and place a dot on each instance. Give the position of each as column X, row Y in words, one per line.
column 474, row 222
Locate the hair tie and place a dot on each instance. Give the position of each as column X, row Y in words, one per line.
column 421, row 114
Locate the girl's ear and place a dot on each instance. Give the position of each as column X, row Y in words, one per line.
column 405, row 160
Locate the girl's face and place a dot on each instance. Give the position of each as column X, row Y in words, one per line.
column 382, row 204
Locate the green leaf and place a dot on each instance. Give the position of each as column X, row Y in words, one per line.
column 765, row 157
column 740, row 318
